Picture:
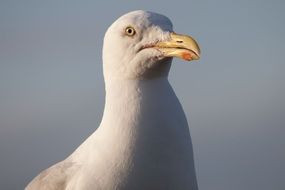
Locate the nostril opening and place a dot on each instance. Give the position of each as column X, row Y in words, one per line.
column 179, row 41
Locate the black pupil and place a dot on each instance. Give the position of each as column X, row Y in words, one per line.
column 130, row 31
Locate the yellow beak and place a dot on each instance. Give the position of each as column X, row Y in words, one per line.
column 181, row 46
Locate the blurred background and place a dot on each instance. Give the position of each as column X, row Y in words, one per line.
column 52, row 88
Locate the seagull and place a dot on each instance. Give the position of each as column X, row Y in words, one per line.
column 143, row 141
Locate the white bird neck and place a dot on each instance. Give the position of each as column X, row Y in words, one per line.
column 140, row 94
column 121, row 92
column 153, row 105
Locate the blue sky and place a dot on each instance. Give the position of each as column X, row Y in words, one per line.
column 52, row 90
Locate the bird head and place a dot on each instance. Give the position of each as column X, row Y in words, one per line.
column 141, row 44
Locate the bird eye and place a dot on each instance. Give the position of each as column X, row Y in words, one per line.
column 130, row 31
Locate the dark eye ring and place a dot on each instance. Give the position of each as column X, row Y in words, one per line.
column 130, row 31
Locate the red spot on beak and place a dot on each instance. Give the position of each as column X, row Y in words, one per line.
column 187, row 56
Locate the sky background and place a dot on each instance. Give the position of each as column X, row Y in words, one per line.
column 52, row 89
